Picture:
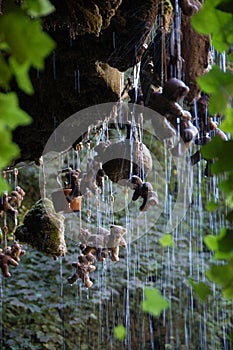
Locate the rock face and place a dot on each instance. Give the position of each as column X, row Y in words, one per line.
column 176, row 51
column 96, row 41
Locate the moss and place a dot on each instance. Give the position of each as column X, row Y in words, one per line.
column 88, row 20
column 169, row 14
column 43, row 229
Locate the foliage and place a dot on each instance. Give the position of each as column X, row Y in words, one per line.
column 154, row 303
column 166, row 240
column 120, row 332
column 201, row 289
column 23, row 45
column 215, row 18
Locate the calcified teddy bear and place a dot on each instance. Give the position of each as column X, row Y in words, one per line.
column 84, row 265
column 166, row 103
column 10, row 204
column 10, row 257
column 145, row 191
column 103, row 242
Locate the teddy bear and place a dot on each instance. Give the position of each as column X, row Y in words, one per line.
column 10, row 257
column 115, row 240
column 103, row 243
column 207, row 130
column 94, row 244
column 16, row 197
column 83, row 266
column 73, row 182
column 15, row 251
column 5, row 261
column 8, row 204
column 92, row 178
column 166, row 103
column 144, row 190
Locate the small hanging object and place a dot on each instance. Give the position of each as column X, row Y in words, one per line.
column 43, row 229
column 69, row 198
column 103, row 242
column 79, row 147
column 10, row 204
column 10, row 257
column 83, row 266
column 144, row 190
column 92, row 178
column 166, row 103
column 121, row 158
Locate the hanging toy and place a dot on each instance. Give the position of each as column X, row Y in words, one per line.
column 10, row 257
column 144, row 190
column 15, row 251
column 92, row 178
column 72, row 192
column 94, row 244
column 10, row 204
column 83, row 266
column 166, row 103
column 69, row 197
column 120, row 158
column 103, row 242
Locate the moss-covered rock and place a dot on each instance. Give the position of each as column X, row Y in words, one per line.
column 43, row 229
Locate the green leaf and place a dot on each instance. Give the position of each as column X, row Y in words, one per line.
column 201, row 289
column 10, row 113
column 210, row 20
column 120, row 332
column 225, row 241
column 211, row 242
column 3, row 184
column 5, row 73
column 26, row 39
column 211, row 206
column 38, row 8
column 21, row 72
column 221, row 244
column 8, row 149
column 223, row 275
column 220, row 85
column 227, row 124
column 154, row 303
column 221, row 151
column 230, row 57
column 166, row 240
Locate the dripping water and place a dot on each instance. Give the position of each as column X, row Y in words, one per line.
column 54, row 65
column 113, row 40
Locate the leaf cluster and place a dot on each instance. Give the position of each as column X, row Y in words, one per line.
column 23, row 45
column 216, row 19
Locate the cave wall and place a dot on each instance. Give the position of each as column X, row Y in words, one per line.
column 96, row 42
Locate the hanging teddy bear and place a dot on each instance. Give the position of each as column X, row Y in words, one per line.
column 103, row 243
column 10, row 257
column 166, row 103
column 10, row 204
column 83, row 266
column 144, row 190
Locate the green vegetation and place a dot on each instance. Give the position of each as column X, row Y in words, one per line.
column 56, row 311
column 219, row 84
column 154, row 303
column 23, row 45
column 120, row 332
